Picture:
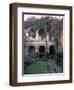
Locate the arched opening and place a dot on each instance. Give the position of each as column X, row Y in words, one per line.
column 41, row 51
column 42, row 33
column 32, row 33
column 52, row 50
column 31, row 50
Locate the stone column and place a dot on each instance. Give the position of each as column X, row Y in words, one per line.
column 37, row 35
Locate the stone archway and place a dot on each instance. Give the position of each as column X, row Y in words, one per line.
column 52, row 50
column 42, row 33
column 32, row 33
column 31, row 50
column 41, row 51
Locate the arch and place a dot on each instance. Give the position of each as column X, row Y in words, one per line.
column 31, row 50
column 42, row 33
column 42, row 49
column 32, row 33
column 52, row 50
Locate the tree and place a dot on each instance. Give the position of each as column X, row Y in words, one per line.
column 49, row 24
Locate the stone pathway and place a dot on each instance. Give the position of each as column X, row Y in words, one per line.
column 53, row 67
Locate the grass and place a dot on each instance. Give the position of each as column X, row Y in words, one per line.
column 36, row 68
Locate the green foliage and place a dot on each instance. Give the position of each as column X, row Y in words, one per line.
column 58, row 29
column 45, row 23
column 37, row 23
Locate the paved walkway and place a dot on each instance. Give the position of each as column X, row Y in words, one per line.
column 53, row 67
